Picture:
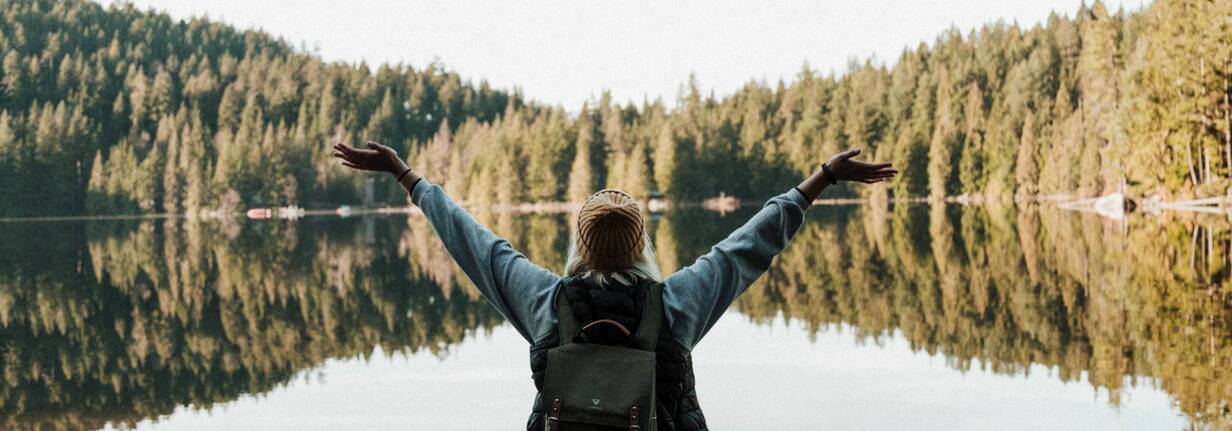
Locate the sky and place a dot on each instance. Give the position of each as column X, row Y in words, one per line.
column 566, row 52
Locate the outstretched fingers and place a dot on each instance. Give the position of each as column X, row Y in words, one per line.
column 354, row 152
column 346, row 161
column 872, row 172
column 343, row 148
column 874, row 176
column 847, row 155
column 378, row 148
column 866, row 165
column 347, row 155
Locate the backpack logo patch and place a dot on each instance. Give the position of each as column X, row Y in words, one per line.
column 594, row 403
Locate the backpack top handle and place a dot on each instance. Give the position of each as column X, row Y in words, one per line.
column 647, row 335
column 610, row 321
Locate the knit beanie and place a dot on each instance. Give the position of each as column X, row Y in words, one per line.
column 610, row 230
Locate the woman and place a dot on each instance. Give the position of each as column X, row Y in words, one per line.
column 611, row 262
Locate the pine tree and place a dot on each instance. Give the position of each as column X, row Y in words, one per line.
column 667, row 166
column 10, row 161
column 97, row 197
column 617, row 171
column 637, row 173
column 173, row 177
column 12, row 83
column 9, row 149
column 971, row 164
column 147, row 188
column 941, row 148
column 1054, row 166
column 1097, row 85
column 581, row 176
column 1027, row 169
column 193, row 168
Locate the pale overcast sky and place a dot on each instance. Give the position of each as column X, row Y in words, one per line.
column 565, row 52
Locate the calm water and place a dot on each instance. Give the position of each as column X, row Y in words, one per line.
column 919, row 317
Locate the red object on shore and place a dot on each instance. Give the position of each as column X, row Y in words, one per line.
column 260, row 213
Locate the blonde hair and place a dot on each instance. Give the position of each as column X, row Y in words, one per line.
column 644, row 266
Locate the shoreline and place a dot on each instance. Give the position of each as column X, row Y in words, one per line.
column 722, row 205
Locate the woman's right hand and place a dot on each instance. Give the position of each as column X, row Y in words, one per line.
column 377, row 157
column 843, row 168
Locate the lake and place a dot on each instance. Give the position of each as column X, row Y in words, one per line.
column 909, row 316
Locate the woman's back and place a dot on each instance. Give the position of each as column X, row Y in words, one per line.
column 614, row 267
column 677, row 407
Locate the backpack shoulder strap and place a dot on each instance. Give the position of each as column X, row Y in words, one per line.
column 566, row 323
column 652, row 318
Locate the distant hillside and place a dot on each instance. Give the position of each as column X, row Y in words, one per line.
column 114, row 110
column 118, row 110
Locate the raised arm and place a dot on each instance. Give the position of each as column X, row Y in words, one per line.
column 519, row 289
column 696, row 296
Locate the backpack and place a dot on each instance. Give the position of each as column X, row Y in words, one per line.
column 591, row 386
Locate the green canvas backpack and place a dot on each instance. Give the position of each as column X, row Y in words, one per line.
column 599, row 387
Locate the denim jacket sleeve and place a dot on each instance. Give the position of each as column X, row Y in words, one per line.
column 519, row 289
column 696, row 296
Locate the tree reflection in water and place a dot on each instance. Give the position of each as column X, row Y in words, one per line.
column 123, row 321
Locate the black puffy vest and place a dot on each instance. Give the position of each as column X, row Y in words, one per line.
column 676, row 397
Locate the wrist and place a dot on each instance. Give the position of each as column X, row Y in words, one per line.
column 409, row 180
column 828, row 175
column 812, row 186
column 398, row 169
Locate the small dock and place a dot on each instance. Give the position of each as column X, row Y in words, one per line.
column 722, row 203
column 1117, row 205
column 1211, row 205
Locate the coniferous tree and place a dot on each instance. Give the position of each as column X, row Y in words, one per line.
column 1097, row 78
column 244, row 119
column 1027, row 169
column 581, row 175
column 971, row 172
column 667, row 163
column 942, row 146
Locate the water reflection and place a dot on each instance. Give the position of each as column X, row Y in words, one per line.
column 122, row 321
column 1011, row 289
column 118, row 322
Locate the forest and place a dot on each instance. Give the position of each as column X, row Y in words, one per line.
column 115, row 110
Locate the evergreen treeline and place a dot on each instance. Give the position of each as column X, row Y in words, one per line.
column 118, row 110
